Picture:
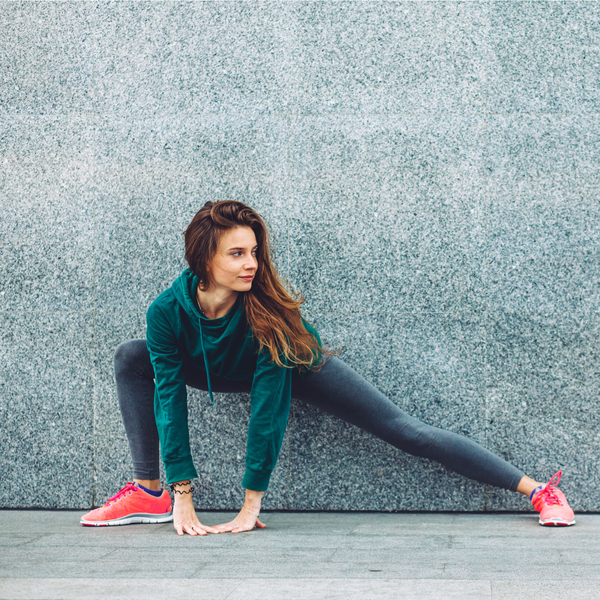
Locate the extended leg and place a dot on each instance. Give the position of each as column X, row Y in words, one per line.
column 341, row 391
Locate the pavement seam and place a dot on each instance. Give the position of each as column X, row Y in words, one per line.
column 109, row 553
column 193, row 575
column 235, row 589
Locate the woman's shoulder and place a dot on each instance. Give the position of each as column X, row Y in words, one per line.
column 164, row 300
column 163, row 307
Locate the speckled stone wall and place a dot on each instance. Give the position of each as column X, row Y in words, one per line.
column 430, row 172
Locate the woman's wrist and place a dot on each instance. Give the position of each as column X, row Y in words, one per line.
column 182, row 490
column 253, row 499
column 181, row 500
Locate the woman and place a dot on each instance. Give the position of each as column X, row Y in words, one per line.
column 228, row 324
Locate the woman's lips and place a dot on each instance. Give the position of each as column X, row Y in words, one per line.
column 248, row 278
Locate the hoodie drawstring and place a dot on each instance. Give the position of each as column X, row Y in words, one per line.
column 206, row 363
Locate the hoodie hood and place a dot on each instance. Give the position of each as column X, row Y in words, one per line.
column 184, row 290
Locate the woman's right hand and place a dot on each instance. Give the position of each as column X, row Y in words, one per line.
column 185, row 519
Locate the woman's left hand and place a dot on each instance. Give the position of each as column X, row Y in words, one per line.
column 247, row 519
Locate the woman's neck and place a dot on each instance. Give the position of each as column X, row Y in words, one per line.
column 216, row 304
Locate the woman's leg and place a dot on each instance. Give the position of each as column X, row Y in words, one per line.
column 134, row 377
column 341, row 391
column 144, row 502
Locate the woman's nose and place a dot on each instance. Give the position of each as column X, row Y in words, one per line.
column 251, row 263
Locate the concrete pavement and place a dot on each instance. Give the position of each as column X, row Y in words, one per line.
column 48, row 555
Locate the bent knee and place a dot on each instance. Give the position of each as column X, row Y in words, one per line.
column 129, row 355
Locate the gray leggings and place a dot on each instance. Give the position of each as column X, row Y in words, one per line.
column 337, row 389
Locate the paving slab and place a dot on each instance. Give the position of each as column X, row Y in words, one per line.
column 48, row 555
column 546, row 590
column 250, row 589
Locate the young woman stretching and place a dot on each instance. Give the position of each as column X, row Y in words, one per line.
column 228, row 324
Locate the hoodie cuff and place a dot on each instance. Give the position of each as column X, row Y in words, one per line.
column 180, row 469
column 258, row 481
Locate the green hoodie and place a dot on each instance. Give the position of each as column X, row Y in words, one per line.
column 177, row 331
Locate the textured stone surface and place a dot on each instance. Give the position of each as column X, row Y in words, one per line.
column 395, row 205
column 46, row 409
column 46, row 52
column 429, row 172
column 387, row 57
column 345, row 166
column 46, row 213
column 543, row 255
column 543, row 57
column 431, row 366
column 543, row 214
column 405, row 264
column 190, row 57
column 543, row 282
column 535, row 147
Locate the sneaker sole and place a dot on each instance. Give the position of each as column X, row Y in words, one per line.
column 556, row 522
column 130, row 519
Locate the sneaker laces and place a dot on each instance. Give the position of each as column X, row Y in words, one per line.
column 548, row 494
column 123, row 492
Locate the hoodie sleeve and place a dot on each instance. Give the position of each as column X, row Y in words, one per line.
column 270, row 398
column 170, row 397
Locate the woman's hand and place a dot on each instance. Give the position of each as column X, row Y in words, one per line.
column 247, row 518
column 185, row 519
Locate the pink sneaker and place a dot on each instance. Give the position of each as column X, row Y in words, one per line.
column 131, row 505
column 552, row 505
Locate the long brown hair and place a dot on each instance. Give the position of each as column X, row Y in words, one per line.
column 272, row 311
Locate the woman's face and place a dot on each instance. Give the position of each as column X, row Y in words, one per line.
column 234, row 264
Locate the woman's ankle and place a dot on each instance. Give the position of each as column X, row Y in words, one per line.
column 151, row 484
column 527, row 485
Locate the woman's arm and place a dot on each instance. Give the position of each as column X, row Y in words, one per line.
column 170, row 396
column 270, row 398
column 170, row 408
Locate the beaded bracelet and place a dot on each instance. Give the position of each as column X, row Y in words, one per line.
column 174, row 485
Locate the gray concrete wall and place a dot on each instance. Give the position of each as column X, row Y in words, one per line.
column 430, row 173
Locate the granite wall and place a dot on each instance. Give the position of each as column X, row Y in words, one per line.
column 430, row 174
